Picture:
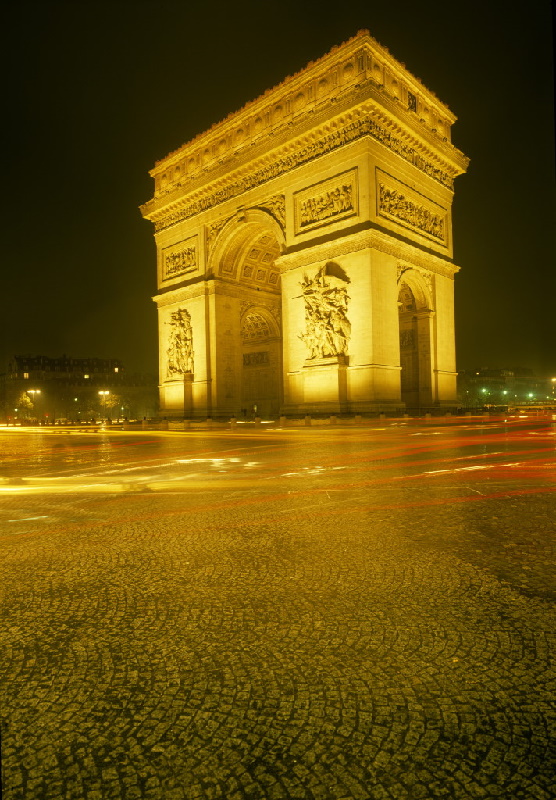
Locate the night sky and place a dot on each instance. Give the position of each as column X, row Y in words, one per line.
column 96, row 92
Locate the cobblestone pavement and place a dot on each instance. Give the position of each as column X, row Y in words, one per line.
column 309, row 615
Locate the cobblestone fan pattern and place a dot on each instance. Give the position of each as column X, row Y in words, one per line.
column 235, row 644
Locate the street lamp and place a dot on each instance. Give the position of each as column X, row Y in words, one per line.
column 34, row 392
column 104, row 394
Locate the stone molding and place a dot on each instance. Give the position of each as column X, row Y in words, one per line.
column 359, row 123
column 368, row 239
column 204, row 287
column 425, row 274
column 182, row 294
column 391, row 367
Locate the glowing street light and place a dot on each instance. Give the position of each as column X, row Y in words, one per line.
column 104, row 394
column 34, row 393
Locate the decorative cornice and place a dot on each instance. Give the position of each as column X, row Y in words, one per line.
column 368, row 239
column 276, row 165
column 205, row 287
column 197, row 289
column 326, row 79
column 363, row 97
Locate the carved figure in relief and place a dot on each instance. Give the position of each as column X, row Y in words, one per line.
column 329, row 204
column 396, row 204
column 180, row 261
column 351, row 132
column 180, row 352
column 277, row 207
column 327, row 328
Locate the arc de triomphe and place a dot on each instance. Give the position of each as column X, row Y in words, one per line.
column 305, row 247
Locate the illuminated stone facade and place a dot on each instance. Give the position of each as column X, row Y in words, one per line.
column 305, row 247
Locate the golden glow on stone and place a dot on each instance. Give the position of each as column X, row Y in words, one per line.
column 275, row 198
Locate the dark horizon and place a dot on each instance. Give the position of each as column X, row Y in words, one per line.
column 97, row 93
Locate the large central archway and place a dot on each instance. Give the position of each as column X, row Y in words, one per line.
column 249, row 316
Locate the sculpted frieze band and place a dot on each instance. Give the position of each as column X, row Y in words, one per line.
column 400, row 203
column 326, row 202
column 179, row 259
column 351, row 132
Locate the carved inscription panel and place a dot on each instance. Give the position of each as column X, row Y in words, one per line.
column 400, row 203
column 255, row 359
column 179, row 259
column 326, row 202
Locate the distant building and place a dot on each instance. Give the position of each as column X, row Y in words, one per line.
column 43, row 389
column 518, row 386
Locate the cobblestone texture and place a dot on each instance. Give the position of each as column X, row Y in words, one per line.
column 280, row 638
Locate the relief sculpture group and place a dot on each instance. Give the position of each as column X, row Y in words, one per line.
column 326, row 205
column 180, row 351
column 327, row 328
column 283, row 233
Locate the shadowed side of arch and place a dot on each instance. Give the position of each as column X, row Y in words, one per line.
column 415, row 322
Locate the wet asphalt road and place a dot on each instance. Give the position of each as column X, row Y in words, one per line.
column 331, row 614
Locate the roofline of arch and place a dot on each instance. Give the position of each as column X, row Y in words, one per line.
column 361, row 43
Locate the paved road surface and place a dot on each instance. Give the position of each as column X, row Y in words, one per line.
column 336, row 614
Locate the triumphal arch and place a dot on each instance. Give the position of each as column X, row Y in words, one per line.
column 305, row 248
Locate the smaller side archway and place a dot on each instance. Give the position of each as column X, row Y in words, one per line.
column 416, row 334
